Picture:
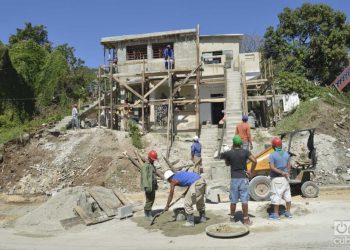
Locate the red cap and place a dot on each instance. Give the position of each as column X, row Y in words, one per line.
column 153, row 155
column 277, row 142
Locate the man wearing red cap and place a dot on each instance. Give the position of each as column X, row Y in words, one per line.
column 279, row 173
column 149, row 182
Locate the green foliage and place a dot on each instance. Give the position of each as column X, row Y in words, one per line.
column 16, row 96
column 12, row 132
column 37, row 33
column 28, row 58
column 51, row 80
column 135, row 134
column 295, row 82
column 312, row 40
column 35, row 79
column 297, row 119
column 68, row 53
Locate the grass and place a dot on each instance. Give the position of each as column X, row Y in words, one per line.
column 299, row 117
column 296, row 119
column 8, row 134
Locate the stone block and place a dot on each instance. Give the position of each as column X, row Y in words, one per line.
column 124, row 212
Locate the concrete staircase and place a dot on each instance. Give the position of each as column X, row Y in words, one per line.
column 209, row 140
column 61, row 124
column 82, row 114
column 233, row 102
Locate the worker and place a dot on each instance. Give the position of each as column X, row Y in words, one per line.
column 149, row 182
column 195, row 194
column 243, row 130
column 237, row 158
column 75, row 117
column 169, row 57
column 279, row 173
column 196, row 154
column 125, row 114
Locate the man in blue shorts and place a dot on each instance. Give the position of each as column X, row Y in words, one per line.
column 237, row 158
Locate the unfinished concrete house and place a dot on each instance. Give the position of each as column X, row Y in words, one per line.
column 206, row 78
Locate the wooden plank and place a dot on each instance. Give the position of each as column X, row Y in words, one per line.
column 121, row 197
column 152, row 90
column 132, row 161
column 187, row 78
column 198, row 126
column 71, row 222
column 169, row 164
column 130, row 89
column 138, row 157
column 108, row 202
column 261, row 81
column 85, row 217
column 111, row 92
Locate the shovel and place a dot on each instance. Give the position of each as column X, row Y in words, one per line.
column 162, row 212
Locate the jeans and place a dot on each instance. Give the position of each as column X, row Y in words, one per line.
column 239, row 190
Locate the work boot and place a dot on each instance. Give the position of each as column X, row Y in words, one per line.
column 148, row 215
column 202, row 218
column 190, row 221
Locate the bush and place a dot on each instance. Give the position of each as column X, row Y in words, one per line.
column 293, row 82
column 135, row 134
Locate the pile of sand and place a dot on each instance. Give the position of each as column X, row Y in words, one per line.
column 46, row 218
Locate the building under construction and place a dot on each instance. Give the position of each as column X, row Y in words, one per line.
column 206, row 79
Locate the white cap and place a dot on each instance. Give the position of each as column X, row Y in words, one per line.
column 195, row 138
column 168, row 174
column 226, row 148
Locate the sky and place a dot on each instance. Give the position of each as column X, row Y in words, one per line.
column 82, row 23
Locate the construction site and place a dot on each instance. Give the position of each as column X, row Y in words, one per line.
column 64, row 188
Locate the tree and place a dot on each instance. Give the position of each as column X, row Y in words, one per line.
column 16, row 96
column 28, row 58
column 251, row 43
column 37, row 33
column 68, row 52
column 52, row 79
column 312, row 40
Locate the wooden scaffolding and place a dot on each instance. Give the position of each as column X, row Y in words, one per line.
column 112, row 82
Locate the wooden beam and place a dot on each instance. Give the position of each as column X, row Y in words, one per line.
column 130, row 89
column 99, row 97
column 198, row 78
column 263, row 97
column 187, row 78
column 257, row 81
column 111, row 93
column 152, row 90
column 143, row 93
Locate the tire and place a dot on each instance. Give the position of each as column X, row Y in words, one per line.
column 309, row 189
column 259, row 188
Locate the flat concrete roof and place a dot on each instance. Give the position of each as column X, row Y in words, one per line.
column 222, row 35
column 146, row 35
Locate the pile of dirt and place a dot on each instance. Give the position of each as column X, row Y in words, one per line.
column 47, row 164
column 332, row 138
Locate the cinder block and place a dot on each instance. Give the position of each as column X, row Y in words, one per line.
column 124, row 212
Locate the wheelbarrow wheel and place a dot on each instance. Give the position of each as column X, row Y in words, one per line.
column 309, row 189
column 259, row 188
